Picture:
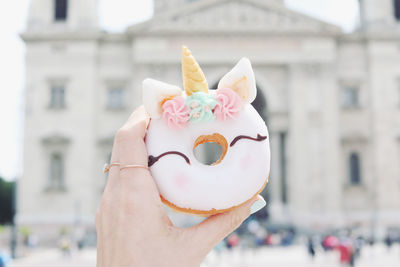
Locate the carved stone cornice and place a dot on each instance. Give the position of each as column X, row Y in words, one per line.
column 55, row 139
column 233, row 16
column 106, row 141
column 355, row 138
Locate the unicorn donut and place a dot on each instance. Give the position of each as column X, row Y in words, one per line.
column 181, row 120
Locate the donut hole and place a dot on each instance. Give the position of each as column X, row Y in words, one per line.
column 208, row 153
column 210, row 149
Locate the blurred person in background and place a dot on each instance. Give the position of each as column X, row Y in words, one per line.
column 233, row 240
column 389, row 238
column 32, row 241
column 358, row 245
column 287, row 237
column 329, row 242
column 65, row 245
column 257, row 231
column 311, row 247
column 273, row 239
column 371, row 241
column 260, row 236
column 4, row 259
column 346, row 251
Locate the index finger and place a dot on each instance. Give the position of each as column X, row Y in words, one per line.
column 132, row 151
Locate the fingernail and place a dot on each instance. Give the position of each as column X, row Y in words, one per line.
column 259, row 204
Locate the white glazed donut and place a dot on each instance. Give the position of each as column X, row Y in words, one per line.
column 182, row 120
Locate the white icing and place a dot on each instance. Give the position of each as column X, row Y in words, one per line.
column 242, row 69
column 239, row 176
column 154, row 92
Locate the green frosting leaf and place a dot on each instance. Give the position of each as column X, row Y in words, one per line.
column 201, row 107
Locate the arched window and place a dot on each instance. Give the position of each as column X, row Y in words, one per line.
column 115, row 97
column 57, row 96
column 56, row 180
column 60, row 10
column 350, row 97
column 354, row 168
column 396, row 9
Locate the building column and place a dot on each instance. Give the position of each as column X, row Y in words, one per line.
column 274, row 177
column 278, row 201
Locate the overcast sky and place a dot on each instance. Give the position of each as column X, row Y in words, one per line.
column 115, row 15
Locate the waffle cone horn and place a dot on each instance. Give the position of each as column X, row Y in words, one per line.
column 193, row 77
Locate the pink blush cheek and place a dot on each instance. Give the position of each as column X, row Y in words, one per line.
column 246, row 161
column 181, row 180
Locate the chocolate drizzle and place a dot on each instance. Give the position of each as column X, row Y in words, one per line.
column 153, row 159
column 237, row 138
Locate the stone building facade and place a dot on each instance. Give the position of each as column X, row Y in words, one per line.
column 331, row 101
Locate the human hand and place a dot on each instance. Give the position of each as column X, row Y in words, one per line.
column 133, row 228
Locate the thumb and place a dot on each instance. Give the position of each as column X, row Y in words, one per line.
column 214, row 229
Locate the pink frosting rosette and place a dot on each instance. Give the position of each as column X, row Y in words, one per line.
column 229, row 104
column 176, row 113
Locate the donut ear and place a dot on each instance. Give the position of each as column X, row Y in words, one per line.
column 241, row 80
column 154, row 94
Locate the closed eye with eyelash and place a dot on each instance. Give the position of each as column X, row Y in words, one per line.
column 237, row 138
column 153, row 159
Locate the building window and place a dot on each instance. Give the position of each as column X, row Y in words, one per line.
column 115, row 98
column 57, row 96
column 354, row 169
column 398, row 91
column 56, row 179
column 350, row 97
column 396, row 9
column 282, row 160
column 60, row 10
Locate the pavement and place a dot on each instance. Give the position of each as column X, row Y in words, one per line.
column 54, row 258
column 294, row 256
